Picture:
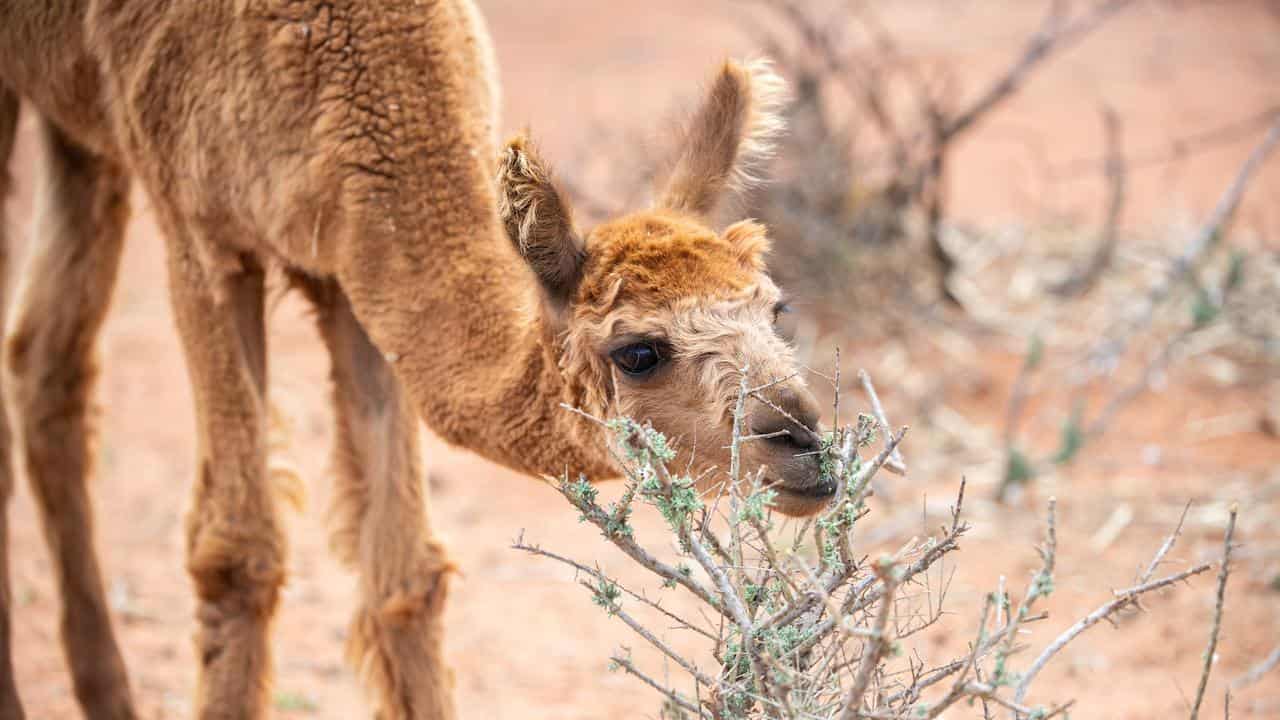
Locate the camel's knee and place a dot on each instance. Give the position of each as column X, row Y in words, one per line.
column 41, row 377
column 416, row 595
column 237, row 566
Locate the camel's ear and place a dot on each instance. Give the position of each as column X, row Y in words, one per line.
column 538, row 221
column 749, row 242
column 725, row 142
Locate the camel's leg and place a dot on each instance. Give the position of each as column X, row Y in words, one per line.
column 10, row 707
column 382, row 525
column 235, row 546
column 82, row 207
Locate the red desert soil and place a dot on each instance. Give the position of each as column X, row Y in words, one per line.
column 525, row 641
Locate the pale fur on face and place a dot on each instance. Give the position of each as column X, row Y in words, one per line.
column 691, row 398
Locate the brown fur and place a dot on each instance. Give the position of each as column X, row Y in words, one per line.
column 351, row 144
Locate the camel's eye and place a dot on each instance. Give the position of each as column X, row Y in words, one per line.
column 637, row 359
column 780, row 309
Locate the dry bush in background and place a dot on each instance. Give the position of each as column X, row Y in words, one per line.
column 1202, row 300
column 863, row 179
column 804, row 624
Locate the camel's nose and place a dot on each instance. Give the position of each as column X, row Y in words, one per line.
column 790, row 416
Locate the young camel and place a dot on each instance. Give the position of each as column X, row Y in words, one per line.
column 350, row 143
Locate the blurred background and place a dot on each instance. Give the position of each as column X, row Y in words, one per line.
column 1011, row 214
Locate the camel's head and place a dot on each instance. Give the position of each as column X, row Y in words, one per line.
column 657, row 313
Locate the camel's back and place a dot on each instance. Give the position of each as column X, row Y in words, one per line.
column 271, row 113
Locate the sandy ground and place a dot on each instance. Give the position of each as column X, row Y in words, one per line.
column 525, row 641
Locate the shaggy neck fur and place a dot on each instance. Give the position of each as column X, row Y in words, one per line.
column 462, row 322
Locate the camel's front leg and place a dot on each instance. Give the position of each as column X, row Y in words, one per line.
column 383, row 528
column 235, row 548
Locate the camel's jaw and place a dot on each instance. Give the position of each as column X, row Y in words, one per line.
column 802, row 500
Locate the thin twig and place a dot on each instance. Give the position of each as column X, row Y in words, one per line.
column 1166, row 547
column 1123, row 599
column 1255, row 673
column 1224, row 571
column 671, row 695
column 877, row 645
column 520, row 544
column 895, row 463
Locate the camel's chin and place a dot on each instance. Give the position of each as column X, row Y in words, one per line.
column 802, row 501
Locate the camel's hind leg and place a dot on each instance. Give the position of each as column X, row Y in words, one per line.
column 382, row 527
column 82, row 207
column 10, row 707
column 235, row 546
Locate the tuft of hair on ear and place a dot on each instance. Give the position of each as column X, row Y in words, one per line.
column 727, row 141
column 538, row 220
column 750, row 243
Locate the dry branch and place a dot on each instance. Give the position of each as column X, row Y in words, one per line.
column 1113, row 169
column 1224, row 571
column 1255, row 673
column 1123, row 599
column 1055, row 33
column 801, row 639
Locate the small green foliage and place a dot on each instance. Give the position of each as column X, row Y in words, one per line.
column 677, row 506
column 1203, row 309
column 827, row 456
column 683, row 569
column 287, row 701
column 1002, row 676
column 866, row 430
column 581, row 492
column 756, row 505
column 1072, row 438
column 1018, row 470
column 641, row 443
column 1042, row 584
column 606, row 594
column 1035, row 351
column 619, row 514
column 1235, row 272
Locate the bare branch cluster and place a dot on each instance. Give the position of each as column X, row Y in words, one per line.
column 888, row 124
column 806, row 626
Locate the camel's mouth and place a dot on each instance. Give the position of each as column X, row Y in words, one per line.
column 802, row 500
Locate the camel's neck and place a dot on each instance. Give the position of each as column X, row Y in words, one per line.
column 430, row 273
column 443, row 294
